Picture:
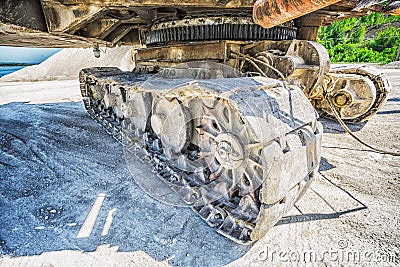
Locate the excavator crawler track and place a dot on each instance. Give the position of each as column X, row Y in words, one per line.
column 244, row 148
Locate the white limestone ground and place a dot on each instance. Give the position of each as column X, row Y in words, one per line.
column 55, row 161
column 67, row 63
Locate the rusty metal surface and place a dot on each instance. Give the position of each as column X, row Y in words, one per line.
column 182, row 53
column 269, row 13
column 62, row 18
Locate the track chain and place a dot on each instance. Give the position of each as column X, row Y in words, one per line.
column 296, row 147
column 148, row 149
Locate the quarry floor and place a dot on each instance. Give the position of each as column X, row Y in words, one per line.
column 57, row 164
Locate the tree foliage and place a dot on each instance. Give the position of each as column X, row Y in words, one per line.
column 345, row 39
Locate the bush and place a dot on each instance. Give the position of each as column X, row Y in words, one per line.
column 345, row 42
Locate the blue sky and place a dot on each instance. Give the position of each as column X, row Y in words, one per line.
column 25, row 54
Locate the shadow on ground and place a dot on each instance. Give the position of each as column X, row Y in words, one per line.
column 55, row 161
column 331, row 209
column 332, row 126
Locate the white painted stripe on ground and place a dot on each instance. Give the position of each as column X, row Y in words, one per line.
column 107, row 224
column 87, row 227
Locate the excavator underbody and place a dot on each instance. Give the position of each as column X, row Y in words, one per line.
column 221, row 109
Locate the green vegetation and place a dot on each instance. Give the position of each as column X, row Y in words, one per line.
column 347, row 41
